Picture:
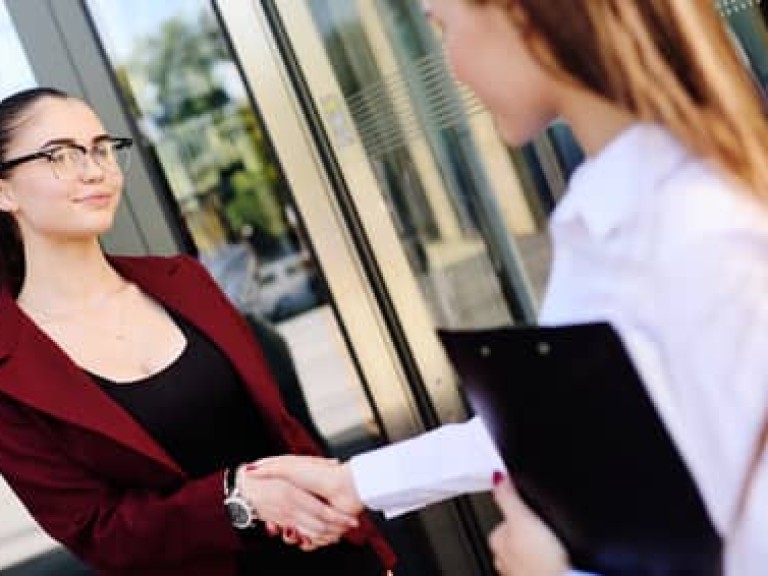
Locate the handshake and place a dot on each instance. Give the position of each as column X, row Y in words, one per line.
column 308, row 501
column 311, row 502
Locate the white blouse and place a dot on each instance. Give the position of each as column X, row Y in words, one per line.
column 675, row 255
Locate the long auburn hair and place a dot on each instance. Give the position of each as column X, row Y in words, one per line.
column 671, row 62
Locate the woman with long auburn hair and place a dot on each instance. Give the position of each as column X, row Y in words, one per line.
column 663, row 233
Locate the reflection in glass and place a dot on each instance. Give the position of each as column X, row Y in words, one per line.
column 174, row 68
column 182, row 86
column 749, row 23
column 454, row 191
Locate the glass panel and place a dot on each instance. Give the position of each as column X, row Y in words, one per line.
column 414, row 141
column 183, row 88
column 749, row 22
column 459, row 198
column 185, row 91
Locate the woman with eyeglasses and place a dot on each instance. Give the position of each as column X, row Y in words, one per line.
column 663, row 232
column 131, row 391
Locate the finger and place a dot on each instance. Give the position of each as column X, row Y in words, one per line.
column 290, row 535
column 272, row 529
column 507, row 498
column 306, row 472
column 318, row 530
column 282, row 465
column 496, row 542
column 312, row 519
column 324, row 515
column 336, row 517
column 319, row 517
column 312, row 528
column 318, row 542
column 496, row 538
column 306, row 543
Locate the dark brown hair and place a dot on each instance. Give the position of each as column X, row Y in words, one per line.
column 12, row 114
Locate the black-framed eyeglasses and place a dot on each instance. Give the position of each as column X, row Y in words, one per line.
column 69, row 161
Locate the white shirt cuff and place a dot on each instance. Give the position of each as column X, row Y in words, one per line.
column 446, row 462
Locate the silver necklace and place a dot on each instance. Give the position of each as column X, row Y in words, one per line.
column 48, row 317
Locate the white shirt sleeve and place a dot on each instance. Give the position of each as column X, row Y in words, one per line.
column 443, row 463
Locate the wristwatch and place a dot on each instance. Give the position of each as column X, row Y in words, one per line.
column 241, row 513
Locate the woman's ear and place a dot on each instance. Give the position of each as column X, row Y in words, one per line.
column 8, row 201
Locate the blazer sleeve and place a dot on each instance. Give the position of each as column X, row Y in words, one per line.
column 296, row 438
column 109, row 527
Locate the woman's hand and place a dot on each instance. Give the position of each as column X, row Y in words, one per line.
column 523, row 545
column 325, row 477
column 305, row 519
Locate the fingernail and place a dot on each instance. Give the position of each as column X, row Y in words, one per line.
column 305, row 540
column 273, row 530
column 289, row 533
column 498, row 477
column 251, row 467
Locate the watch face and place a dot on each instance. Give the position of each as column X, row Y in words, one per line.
column 239, row 512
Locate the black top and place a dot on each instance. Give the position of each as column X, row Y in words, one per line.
column 198, row 410
column 209, row 424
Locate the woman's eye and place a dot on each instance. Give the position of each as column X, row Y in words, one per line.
column 101, row 152
column 67, row 155
column 61, row 157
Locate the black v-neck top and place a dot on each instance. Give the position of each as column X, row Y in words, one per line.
column 196, row 408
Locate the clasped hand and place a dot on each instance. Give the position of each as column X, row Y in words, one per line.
column 310, row 501
column 324, row 502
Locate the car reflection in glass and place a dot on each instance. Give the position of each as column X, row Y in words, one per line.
column 275, row 290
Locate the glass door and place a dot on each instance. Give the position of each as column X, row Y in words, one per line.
column 259, row 214
column 447, row 220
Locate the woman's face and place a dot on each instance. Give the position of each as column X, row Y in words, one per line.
column 77, row 208
column 487, row 54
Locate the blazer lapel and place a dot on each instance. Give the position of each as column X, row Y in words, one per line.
column 37, row 373
column 179, row 284
column 182, row 285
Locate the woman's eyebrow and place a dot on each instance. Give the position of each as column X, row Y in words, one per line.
column 71, row 141
column 58, row 142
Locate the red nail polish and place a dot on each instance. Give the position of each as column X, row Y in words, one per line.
column 289, row 533
column 498, row 478
column 251, row 467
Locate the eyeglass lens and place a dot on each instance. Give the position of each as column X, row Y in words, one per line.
column 69, row 161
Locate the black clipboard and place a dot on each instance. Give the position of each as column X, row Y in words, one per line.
column 586, row 448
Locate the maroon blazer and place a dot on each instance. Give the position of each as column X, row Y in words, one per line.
column 93, row 478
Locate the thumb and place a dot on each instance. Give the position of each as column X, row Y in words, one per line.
column 507, row 498
column 306, row 472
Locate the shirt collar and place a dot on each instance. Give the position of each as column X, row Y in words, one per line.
column 607, row 189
